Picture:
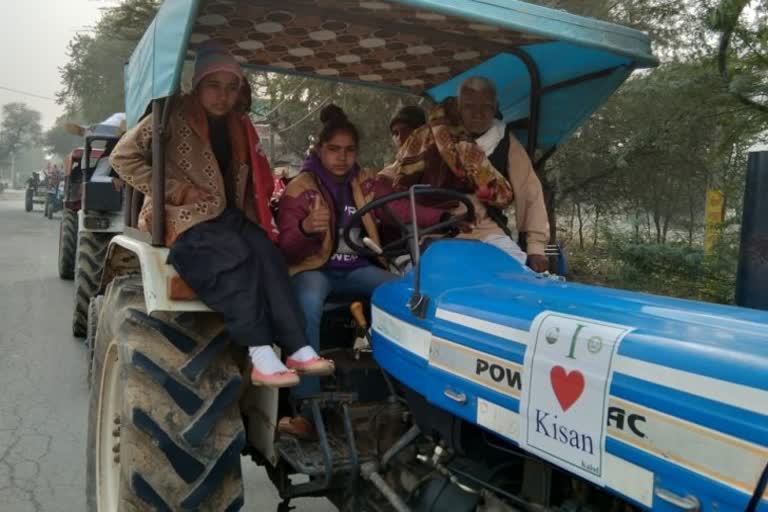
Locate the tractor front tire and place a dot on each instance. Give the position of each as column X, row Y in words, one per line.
column 49, row 204
column 29, row 200
column 91, row 251
column 67, row 243
column 164, row 426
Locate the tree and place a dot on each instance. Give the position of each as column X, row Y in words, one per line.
column 93, row 77
column 742, row 55
column 59, row 141
column 654, row 149
column 19, row 129
column 295, row 105
column 668, row 22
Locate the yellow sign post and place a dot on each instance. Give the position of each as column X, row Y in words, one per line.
column 714, row 215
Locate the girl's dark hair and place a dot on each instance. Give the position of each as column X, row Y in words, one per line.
column 334, row 121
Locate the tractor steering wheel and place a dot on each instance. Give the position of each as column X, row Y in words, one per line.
column 401, row 246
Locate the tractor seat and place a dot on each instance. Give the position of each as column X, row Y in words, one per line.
column 178, row 289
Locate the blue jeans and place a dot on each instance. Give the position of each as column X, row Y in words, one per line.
column 314, row 287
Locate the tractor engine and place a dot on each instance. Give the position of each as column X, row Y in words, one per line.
column 452, row 465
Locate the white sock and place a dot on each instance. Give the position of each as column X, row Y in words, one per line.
column 304, row 354
column 265, row 360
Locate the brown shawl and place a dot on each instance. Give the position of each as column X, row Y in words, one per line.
column 443, row 154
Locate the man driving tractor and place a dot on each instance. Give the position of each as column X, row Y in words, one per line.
column 463, row 146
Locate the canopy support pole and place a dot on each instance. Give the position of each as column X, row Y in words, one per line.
column 87, row 154
column 581, row 79
column 127, row 201
column 535, row 106
column 137, row 200
column 158, row 171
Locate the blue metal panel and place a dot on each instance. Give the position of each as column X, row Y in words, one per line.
column 483, row 342
column 730, row 420
column 676, row 358
column 715, row 496
column 723, row 342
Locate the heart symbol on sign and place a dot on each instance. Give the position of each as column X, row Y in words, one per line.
column 568, row 387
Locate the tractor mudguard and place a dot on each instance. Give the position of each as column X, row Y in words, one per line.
column 656, row 400
column 127, row 255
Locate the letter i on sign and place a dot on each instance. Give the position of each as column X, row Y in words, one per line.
column 565, row 390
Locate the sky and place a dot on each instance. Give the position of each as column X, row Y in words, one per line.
column 33, row 41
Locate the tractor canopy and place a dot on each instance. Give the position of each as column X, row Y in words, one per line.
column 111, row 128
column 552, row 69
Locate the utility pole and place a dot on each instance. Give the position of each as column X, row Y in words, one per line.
column 13, row 167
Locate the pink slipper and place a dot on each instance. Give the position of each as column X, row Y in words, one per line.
column 317, row 366
column 274, row 380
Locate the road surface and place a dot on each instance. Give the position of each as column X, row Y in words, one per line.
column 43, row 389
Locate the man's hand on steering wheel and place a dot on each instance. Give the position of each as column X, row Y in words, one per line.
column 538, row 262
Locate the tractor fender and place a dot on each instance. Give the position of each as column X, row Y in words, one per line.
column 127, row 255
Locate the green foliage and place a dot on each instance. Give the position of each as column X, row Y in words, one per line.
column 19, row 129
column 93, row 77
column 743, row 50
column 295, row 111
column 60, row 142
column 676, row 270
column 28, row 160
column 654, row 150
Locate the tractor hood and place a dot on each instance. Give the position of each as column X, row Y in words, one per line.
column 600, row 382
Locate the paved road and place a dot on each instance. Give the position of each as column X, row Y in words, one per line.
column 43, row 391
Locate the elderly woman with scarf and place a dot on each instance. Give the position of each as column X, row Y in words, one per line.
column 314, row 210
column 218, row 225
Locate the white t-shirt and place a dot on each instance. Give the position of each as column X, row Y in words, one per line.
column 102, row 170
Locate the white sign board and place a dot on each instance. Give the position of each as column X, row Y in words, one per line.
column 564, row 397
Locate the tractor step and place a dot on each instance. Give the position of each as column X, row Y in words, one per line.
column 306, row 457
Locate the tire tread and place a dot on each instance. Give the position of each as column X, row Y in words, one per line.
column 160, row 468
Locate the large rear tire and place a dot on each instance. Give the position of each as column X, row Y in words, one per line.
column 164, row 427
column 94, row 311
column 67, row 243
column 91, row 251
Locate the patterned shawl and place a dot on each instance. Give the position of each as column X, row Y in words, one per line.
column 442, row 154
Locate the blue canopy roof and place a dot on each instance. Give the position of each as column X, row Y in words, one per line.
column 415, row 46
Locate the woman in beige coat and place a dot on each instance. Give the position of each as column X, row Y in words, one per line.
column 219, row 244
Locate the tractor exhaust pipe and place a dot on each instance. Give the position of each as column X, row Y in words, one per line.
column 752, row 276
column 369, row 471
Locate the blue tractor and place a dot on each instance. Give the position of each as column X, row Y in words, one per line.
column 489, row 387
